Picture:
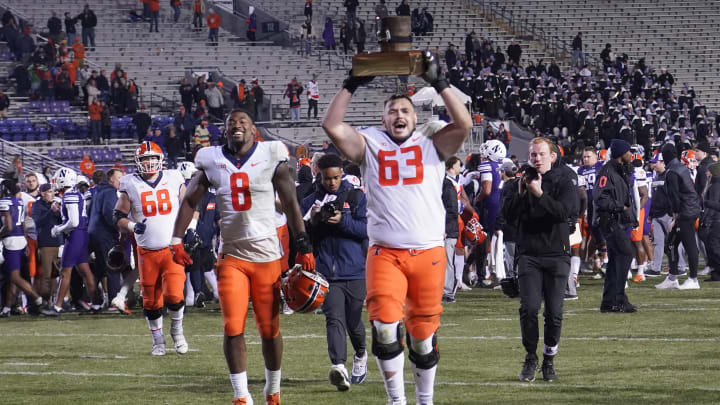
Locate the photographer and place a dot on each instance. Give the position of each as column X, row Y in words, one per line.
column 614, row 214
column 336, row 220
column 545, row 198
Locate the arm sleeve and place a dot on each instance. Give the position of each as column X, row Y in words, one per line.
column 672, row 190
column 73, row 218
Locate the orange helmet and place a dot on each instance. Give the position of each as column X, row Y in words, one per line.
column 603, row 155
column 304, row 291
column 637, row 156
column 473, row 232
column 147, row 150
column 688, row 157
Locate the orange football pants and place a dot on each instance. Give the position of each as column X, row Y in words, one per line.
column 284, row 236
column 161, row 279
column 637, row 233
column 409, row 278
column 32, row 256
column 240, row 281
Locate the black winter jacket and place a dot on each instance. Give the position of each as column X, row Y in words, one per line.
column 612, row 199
column 680, row 189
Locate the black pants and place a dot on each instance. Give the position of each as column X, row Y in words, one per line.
column 101, row 247
column 312, row 104
column 620, row 255
column 343, row 311
column 542, row 278
column 686, row 234
column 712, row 246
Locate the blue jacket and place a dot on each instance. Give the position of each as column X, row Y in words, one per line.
column 207, row 225
column 339, row 248
column 101, row 213
column 45, row 219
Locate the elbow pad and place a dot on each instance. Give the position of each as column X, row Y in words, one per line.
column 117, row 216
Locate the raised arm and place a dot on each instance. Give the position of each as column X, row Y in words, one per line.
column 350, row 143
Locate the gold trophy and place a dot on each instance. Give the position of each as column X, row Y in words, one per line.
column 396, row 57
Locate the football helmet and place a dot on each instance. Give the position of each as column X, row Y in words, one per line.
column 64, row 178
column 304, row 291
column 496, row 150
column 187, row 169
column 116, row 259
column 82, row 179
column 147, row 150
column 603, row 155
column 688, row 158
column 473, row 232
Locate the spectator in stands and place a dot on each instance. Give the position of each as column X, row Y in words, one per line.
column 175, row 4
column 259, row 95
column 215, row 101
column 329, row 34
column 79, row 52
column 119, row 165
column 91, row 91
column 142, row 122
column 514, row 52
column 451, row 56
column 665, row 77
column 313, row 94
column 186, row 94
column 47, row 87
column 4, row 104
column 578, row 58
column 14, row 169
column 173, row 147
column 293, row 93
column 63, row 85
column 22, row 79
column 118, row 97
column 429, row 22
column 351, row 11
column 46, row 214
column 87, row 166
column 199, row 89
column 360, row 36
column 103, row 84
column 201, row 138
column 213, row 22
column 54, row 26
column 198, row 11
column 47, row 173
column 251, row 22
column 329, row 148
column 154, row 10
column 346, row 37
column 70, row 29
column 202, row 113
column 184, row 127
column 607, row 56
column 106, row 121
column 308, row 11
column 88, row 21
column 403, row 8
column 238, row 94
column 25, row 45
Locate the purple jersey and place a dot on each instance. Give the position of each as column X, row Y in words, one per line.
column 15, row 206
column 490, row 171
column 75, row 198
column 589, row 173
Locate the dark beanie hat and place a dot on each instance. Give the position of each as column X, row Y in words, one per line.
column 668, row 152
column 703, row 146
column 618, row 147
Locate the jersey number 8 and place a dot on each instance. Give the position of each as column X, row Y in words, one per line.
column 240, row 191
column 150, row 208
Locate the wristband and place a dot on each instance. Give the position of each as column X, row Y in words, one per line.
column 302, row 243
column 131, row 226
column 175, row 240
column 193, row 224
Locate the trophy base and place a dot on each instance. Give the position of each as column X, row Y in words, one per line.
column 388, row 64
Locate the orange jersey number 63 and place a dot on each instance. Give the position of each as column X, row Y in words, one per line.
column 162, row 205
column 394, row 166
column 240, row 186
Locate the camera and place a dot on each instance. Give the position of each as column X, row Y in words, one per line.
column 327, row 211
column 530, row 174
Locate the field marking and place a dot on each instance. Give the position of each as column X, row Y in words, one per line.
column 495, row 319
column 12, row 363
column 554, row 385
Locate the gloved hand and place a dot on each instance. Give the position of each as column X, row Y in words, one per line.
column 353, row 82
column 140, row 227
column 179, row 255
column 304, row 256
column 54, row 231
column 433, row 72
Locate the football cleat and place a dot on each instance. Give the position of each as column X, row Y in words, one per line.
column 272, row 399
column 181, row 346
column 243, row 401
column 639, row 278
column 158, row 349
column 304, row 291
column 119, row 303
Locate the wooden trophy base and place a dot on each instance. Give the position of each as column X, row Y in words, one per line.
column 388, row 64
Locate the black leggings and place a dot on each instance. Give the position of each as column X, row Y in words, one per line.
column 686, row 235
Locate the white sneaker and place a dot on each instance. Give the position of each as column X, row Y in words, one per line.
column 181, row 346
column 668, row 284
column 690, row 284
column 399, row 402
column 119, row 303
column 286, row 309
column 706, row 271
column 359, row 369
column 158, row 350
column 464, row 287
column 338, row 377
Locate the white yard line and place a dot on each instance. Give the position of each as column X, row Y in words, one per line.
column 25, row 364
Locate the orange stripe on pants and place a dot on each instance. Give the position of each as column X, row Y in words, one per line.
column 284, row 236
column 161, row 279
column 238, row 282
column 412, row 279
column 32, row 256
column 637, row 233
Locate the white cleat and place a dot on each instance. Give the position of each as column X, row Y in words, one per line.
column 690, row 284
column 158, row 350
column 397, row 402
column 706, row 271
column 181, row 346
column 464, row 287
column 119, row 303
column 668, row 284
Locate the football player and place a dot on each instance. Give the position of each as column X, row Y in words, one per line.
column 75, row 250
column 403, row 171
column 591, row 165
column 152, row 196
column 246, row 174
column 14, row 243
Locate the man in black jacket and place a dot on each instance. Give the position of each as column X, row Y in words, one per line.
column 88, row 21
column 545, row 199
column 614, row 214
column 54, row 26
column 685, row 208
column 702, row 153
column 514, row 52
column 711, row 220
column 452, row 228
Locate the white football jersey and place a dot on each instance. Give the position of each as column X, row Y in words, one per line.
column 403, row 184
column 246, row 198
column 156, row 204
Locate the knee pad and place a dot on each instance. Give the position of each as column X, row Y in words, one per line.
column 387, row 339
column 423, row 353
column 176, row 307
column 152, row 314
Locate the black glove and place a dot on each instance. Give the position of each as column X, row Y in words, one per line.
column 433, row 73
column 353, row 82
column 140, row 227
column 302, row 243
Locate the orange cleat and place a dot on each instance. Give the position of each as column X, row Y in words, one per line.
column 639, row 278
column 242, row 401
column 272, row 399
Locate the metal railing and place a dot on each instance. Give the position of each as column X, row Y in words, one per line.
column 30, row 160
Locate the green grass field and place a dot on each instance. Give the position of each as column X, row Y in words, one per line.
column 666, row 353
